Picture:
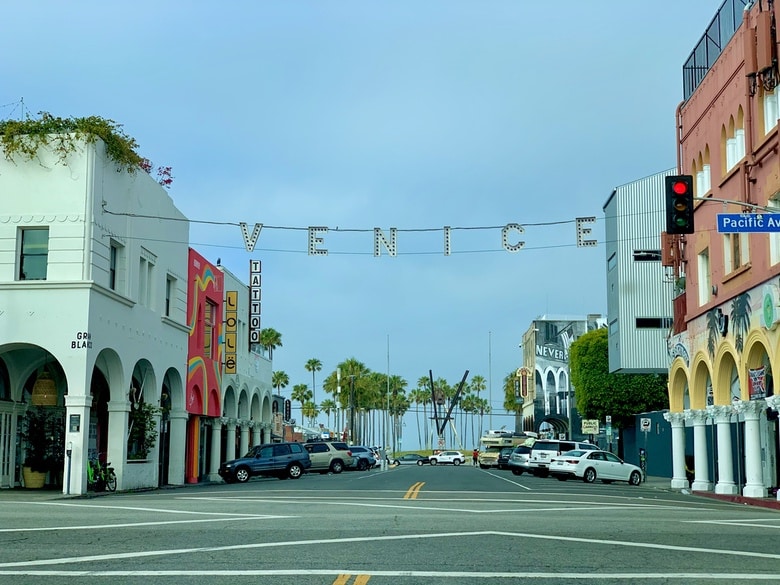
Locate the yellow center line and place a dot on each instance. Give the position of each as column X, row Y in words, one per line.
column 359, row 579
column 412, row 492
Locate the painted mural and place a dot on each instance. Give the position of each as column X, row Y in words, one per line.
column 204, row 320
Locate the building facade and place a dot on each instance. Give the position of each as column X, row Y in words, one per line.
column 639, row 288
column 725, row 342
column 94, row 299
column 543, row 382
column 134, row 345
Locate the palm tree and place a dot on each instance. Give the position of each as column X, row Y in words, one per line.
column 424, row 384
column 328, row 405
column 270, row 339
column 478, row 384
column 313, row 365
column 310, row 411
column 279, row 380
column 301, row 393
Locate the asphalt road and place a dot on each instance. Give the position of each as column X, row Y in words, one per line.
column 405, row 525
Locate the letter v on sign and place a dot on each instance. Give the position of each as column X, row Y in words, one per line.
column 249, row 242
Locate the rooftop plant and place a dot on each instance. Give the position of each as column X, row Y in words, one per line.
column 24, row 138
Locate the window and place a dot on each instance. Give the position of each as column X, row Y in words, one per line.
column 770, row 111
column 735, row 251
column 170, row 293
column 647, row 255
column 613, row 327
column 209, row 329
column 653, row 322
column 33, row 259
column 705, row 278
column 733, row 139
column 146, row 278
column 116, row 267
column 611, row 262
column 774, row 238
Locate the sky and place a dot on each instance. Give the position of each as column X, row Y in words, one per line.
column 355, row 115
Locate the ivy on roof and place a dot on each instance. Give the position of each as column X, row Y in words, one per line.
column 24, row 138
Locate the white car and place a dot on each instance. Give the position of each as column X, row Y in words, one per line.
column 454, row 457
column 591, row 465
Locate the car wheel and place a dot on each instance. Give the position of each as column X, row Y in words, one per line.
column 483, row 466
column 337, row 467
column 419, row 463
column 589, row 476
column 635, row 478
column 433, row 462
column 456, row 462
column 295, row 471
column 561, row 477
column 362, row 465
column 396, row 462
column 517, row 471
column 242, row 475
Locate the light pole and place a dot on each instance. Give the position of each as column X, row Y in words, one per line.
column 352, row 408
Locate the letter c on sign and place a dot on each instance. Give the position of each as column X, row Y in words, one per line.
column 505, row 237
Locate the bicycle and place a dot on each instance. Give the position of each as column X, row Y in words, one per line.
column 100, row 477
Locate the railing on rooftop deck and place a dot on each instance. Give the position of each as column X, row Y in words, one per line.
column 727, row 20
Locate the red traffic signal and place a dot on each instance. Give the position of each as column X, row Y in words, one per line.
column 679, row 204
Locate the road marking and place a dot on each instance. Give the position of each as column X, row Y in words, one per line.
column 95, row 527
column 344, row 579
column 412, row 492
column 447, row 575
column 611, row 544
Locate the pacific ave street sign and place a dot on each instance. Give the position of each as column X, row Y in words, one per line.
column 732, row 223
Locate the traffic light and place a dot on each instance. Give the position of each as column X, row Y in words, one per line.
column 679, row 204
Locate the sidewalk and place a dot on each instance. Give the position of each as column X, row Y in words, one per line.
column 664, row 483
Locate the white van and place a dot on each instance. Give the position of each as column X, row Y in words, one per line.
column 544, row 450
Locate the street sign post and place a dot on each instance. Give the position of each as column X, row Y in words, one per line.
column 735, row 223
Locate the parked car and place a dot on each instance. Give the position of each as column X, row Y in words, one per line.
column 591, row 465
column 544, row 450
column 280, row 460
column 327, row 456
column 454, row 457
column 488, row 457
column 363, row 458
column 518, row 460
column 503, row 457
column 411, row 459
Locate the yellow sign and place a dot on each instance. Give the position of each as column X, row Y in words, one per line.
column 231, row 328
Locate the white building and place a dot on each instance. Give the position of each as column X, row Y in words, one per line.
column 93, row 290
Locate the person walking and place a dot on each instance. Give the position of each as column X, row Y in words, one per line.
column 475, row 457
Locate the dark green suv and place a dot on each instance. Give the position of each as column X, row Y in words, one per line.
column 280, row 460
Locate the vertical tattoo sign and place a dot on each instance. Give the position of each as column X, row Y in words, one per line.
column 254, row 301
column 231, row 330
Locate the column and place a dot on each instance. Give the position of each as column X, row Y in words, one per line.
column 216, row 449
column 774, row 403
column 243, row 440
column 754, row 477
column 701, row 459
column 256, row 435
column 177, row 421
column 722, row 416
column 230, row 439
column 74, row 478
column 118, row 414
column 677, row 420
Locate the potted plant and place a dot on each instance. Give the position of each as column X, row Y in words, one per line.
column 43, row 431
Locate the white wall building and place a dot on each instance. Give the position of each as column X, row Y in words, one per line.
column 96, row 294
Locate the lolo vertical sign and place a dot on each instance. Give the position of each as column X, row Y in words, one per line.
column 254, row 301
column 231, row 330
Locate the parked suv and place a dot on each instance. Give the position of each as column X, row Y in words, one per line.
column 329, row 456
column 518, row 460
column 543, row 450
column 364, row 457
column 280, row 460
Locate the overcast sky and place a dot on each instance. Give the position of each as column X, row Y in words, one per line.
column 412, row 114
